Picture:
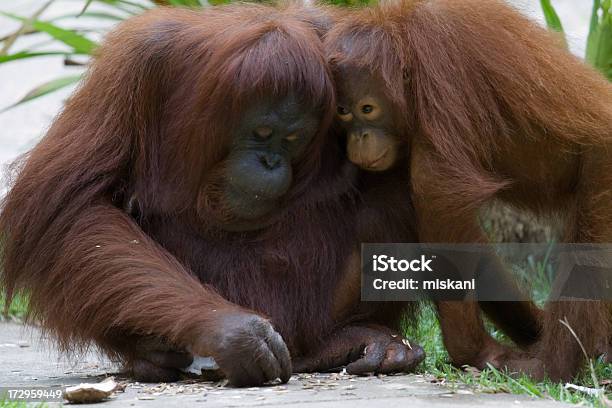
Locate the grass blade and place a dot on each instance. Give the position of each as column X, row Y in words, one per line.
column 77, row 42
column 25, row 26
column 45, row 89
column 594, row 17
column 28, row 54
column 593, row 38
column 90, row 14
column 552, row 18
column 599, row 45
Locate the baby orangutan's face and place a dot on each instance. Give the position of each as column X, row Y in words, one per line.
column 365, row 112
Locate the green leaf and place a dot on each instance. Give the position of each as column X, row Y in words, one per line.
column 552, row 18
column 594, row 25
column 45, row 89
column 91, row 14
column 28, row 54
column 25, row 26
column 599, row 45
column 77, row 42
column 120, row 6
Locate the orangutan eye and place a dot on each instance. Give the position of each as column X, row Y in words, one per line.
column 342, row 111
column 367, row 109
column 292, row 137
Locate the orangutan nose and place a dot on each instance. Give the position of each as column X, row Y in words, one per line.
column 270, row 161
column 360, row 136
column 263, row 132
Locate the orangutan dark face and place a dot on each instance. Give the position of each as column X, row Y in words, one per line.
column 267, row 141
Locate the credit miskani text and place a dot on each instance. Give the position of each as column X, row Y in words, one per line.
column 422, row 264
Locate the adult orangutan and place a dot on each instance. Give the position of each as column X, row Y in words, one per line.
column 188, row 200
column 489, row 106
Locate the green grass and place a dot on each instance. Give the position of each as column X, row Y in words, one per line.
column 11, row 404
column 16, row 309
column 20, row 404
column 427, row 333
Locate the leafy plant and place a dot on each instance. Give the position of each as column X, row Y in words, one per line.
column 76, row 42
column 550, row 15
column 599, row 42
column 599, row 46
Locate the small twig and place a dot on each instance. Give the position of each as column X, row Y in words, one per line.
column 26, row 32
column 69, row 62
column 25, row 26
column 596, row 387
column 587, row 390
column 591, row 367
column 85, row 7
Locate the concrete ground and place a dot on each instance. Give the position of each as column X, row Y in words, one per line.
column 28, row 360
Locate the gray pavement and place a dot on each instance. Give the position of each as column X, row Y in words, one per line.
column 28, row 360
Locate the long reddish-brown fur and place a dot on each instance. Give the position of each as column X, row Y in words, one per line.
column 493, row 107
column 113, row 225
column 150, row 121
